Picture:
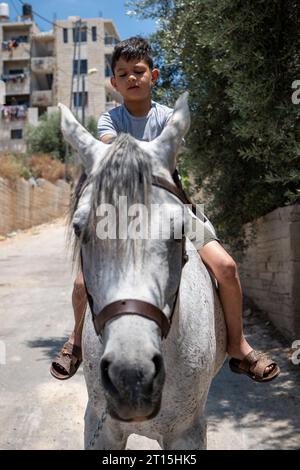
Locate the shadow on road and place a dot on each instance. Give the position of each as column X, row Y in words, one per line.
column 266, row 415
column 50, row 347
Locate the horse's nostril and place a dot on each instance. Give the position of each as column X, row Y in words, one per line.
column 158, row 363
column 106, row 380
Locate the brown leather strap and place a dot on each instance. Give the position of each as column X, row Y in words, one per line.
column 129, row 307
column 171, row 187
column 176, row 191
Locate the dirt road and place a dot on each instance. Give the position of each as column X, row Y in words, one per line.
column 39, row 412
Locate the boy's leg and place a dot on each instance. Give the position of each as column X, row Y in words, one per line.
column 225, row 271
column 70, row 356
column 79, row 302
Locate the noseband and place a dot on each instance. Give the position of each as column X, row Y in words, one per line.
column 139, row 307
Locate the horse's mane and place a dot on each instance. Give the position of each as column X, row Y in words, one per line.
column 125, row 170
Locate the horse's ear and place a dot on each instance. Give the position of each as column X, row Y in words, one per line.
column 166, row 146
column 90, row 149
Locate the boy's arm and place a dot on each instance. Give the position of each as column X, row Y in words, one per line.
column 107, row 138
column 107, row 131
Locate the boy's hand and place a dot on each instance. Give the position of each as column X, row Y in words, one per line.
column 107, row 139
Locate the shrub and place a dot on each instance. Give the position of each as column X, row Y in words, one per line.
column 11, row 167
column 43, row 166
column 47, row 137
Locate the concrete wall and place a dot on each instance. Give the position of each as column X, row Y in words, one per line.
column 270, row 268
column 24, row 204
column 7, row 144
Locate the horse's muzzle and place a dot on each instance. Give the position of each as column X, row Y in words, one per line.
column 133, row 392
column 135, row 419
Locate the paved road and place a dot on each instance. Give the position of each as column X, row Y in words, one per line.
column 39, row 412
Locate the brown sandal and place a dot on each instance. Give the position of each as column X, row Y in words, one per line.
column 64, row 366
column 254, row 365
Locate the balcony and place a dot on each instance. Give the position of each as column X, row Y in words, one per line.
column 42, row 98
column 42, row 64
column 21, row 52
column 110, row 40
column 109, row 44
column 18, row 85
column 12, row 113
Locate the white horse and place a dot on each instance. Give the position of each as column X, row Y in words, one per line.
column 141, row 378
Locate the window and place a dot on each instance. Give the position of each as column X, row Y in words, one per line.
column 16, row 134
column 82, row 36
column 108, row 71
column 65, row 35
column 77, row 99
column 83, row 67
column 94, row 33
column 49, row 78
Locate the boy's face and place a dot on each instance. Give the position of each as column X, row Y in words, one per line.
column 134, row 79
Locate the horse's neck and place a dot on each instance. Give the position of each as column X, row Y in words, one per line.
column 198, row 324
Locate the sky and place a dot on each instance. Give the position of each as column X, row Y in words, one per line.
column 111, row 9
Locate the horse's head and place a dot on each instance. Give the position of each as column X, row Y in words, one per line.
column 131, row 254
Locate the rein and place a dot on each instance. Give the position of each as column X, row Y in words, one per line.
column 139, row 307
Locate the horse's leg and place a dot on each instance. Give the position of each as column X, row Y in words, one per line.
column 101, row 433
column 191, row 438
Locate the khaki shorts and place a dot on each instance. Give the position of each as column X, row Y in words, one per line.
column 199, row 230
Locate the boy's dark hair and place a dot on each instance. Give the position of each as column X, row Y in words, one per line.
column 135, row 47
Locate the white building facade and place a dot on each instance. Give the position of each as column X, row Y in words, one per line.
column 69, row 64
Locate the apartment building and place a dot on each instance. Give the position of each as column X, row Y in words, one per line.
column 69, row 64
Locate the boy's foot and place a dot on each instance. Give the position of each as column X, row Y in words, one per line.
column 256, row 365
column 67, row 362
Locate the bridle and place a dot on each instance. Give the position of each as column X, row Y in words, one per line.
column 139, row 307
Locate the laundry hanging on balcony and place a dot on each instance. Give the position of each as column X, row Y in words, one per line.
column 13, row 113
column 13, row 42
column 10, row 45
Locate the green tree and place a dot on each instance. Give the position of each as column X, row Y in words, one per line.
column 46, row 137
column 91, row 125
column 238, row 59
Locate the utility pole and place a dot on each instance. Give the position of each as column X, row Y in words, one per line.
column 76, row 33
column 83, row 99
column 74, row 58
column 78, row 68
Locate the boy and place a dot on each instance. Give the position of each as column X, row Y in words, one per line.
column 133, row 77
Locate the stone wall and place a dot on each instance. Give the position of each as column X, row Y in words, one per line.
column 270, row 268
column 24, row 204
